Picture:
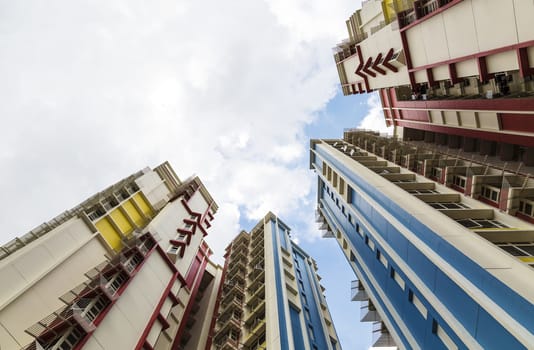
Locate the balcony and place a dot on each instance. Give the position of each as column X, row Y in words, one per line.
column 256, row 273
column 368, row 312
column 257, row 329
column 256, row 309
column 67, row 326
column 381, row 336
column 228, row 324
column 227, row 343
column 257, row 293
column 234, row 304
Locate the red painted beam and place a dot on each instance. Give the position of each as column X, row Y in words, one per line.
column 452, row 73
column 430, row 77
column 187, row 311
column 514, row 139
column 376, row 63
column 360, row 66
column 524, row 64
column 368, row 65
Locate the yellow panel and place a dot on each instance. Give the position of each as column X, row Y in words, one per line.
column 121, row 221
column 134, row 213
column 111, row 236
column 143, row 205
column 527, row 259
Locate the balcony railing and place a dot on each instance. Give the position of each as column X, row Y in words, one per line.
column 358, row 293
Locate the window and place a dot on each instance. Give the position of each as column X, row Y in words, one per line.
column 490, row 192
column 526, row 206
column 307, row 313
column 312, row 333
column 359, row 230
column 369, row 243
column 436, row 172
column 173, row 249
column 442, row 206
column 417, row 303
column 397, row 278
column 459, row 180
column 474, row 224
column 381, row 258
column 523, row 251
column 443, row 336
column 422, row 191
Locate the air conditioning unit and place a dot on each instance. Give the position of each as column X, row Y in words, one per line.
column 398, row 59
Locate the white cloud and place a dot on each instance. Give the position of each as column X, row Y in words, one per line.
column 374, row 120
column 97, row 90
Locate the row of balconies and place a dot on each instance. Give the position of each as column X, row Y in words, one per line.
column 369, row 313
column 67, row 326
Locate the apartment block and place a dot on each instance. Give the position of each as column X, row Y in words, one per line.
column 126, row 269
column 455, row 73
column 438, row 264
column 271, row 297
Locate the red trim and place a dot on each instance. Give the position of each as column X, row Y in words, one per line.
column 164, row 323
column 468, row 185
column 388, row 57
column 503, row 198
column 156, row 312
column 483, row 74
column 457, row 188
column 421, row 19
column 517, row 122
column 524, row 64
column 406, row 48
column 488, row 201
column 523, row 104
column 430, row 77
column 514, row 47
column 453, row 74
column 376, row 63
column 216, row 308
column 360, row 66
column 193, row 269
column 180, row 244
column 187, row 311
column 368, row 65
column 481, row 134
column 525, row 217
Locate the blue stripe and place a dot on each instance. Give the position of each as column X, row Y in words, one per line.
column 435, row 279
column 284, row 341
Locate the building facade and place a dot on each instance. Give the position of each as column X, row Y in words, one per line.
column 437, row 268
column 271, row 297
column 448, row 72
column 126, row 269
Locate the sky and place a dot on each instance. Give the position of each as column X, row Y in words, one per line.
column 231, row 91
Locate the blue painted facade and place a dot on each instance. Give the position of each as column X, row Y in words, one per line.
column 280, row 302
column 308, row 290
column 487, row 331
column 309, row 293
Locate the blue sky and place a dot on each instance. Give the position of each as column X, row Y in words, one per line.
column 341, row 112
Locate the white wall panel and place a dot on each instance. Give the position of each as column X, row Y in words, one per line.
column 460, row 28
column 495, row 23
column 524, row 13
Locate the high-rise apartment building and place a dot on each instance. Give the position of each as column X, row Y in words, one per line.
column 271, row 297
column 126, row 269
column 448, row 72
column 439, row 266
